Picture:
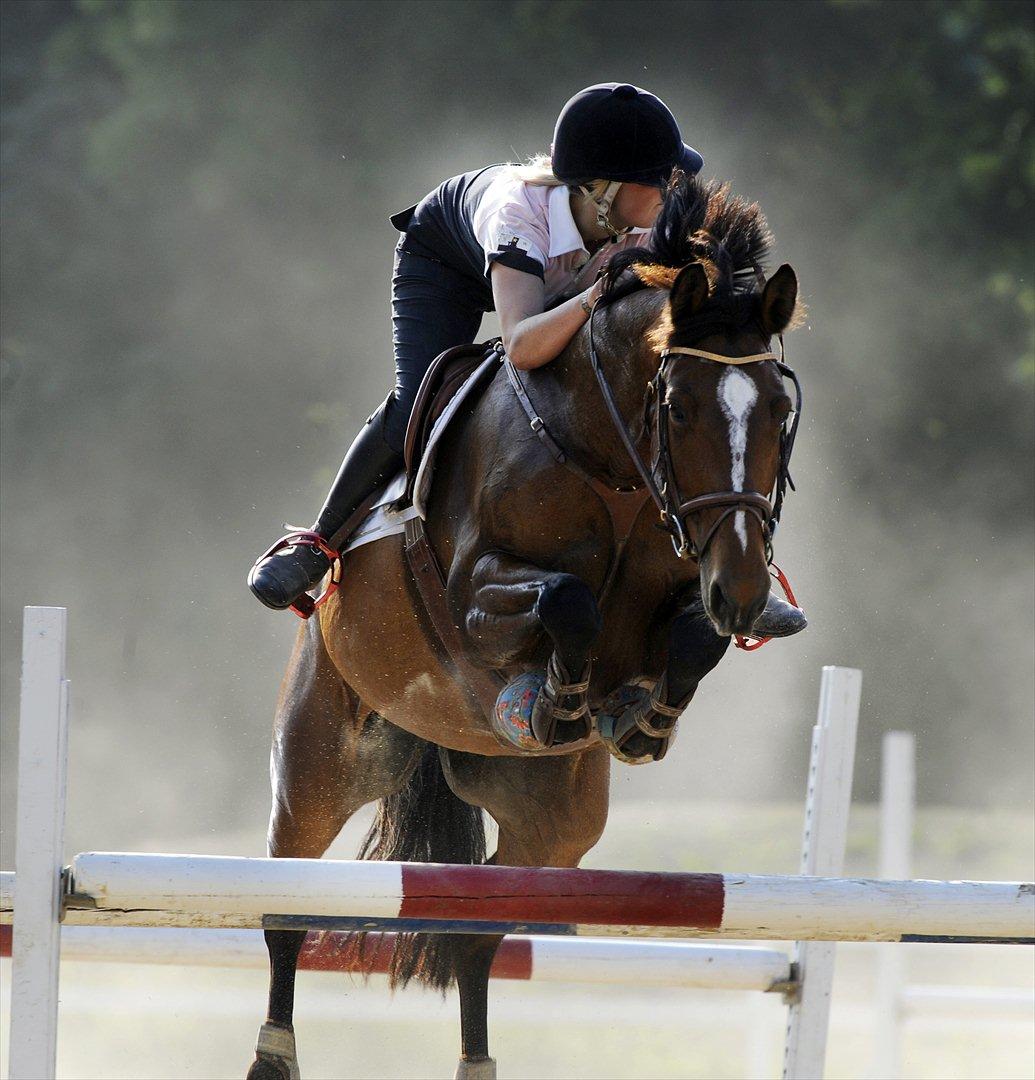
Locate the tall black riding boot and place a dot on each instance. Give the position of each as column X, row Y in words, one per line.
column 369, row 463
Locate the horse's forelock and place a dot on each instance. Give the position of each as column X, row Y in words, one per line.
column 700, row 221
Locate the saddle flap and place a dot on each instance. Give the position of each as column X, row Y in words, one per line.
column 448, row 372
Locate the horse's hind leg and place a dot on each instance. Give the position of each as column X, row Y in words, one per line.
column 327, row 761
column 550, row 812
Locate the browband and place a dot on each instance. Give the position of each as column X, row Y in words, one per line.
column 718, row 357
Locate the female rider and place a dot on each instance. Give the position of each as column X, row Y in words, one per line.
column 517, row 239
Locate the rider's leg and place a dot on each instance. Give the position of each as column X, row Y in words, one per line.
column 370, row 462
column 433, row 309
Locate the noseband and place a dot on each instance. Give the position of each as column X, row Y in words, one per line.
column 673, row 509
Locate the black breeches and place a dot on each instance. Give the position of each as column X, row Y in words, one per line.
column 433, row 308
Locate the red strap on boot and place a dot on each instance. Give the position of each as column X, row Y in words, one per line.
column 306, row 604
column 749, row 644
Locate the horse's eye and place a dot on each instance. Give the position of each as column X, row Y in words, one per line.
column 677, row 414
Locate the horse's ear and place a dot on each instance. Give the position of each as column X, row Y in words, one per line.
column 779, row 298
column 689, row 291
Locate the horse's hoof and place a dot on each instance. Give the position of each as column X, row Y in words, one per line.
column 265, row 1067
column 618, row 731
column 476, row 1069
column 275, row 1057
column 512, row 717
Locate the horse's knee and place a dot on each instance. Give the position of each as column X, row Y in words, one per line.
column 568, row 609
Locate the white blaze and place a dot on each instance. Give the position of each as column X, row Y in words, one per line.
column 737, row 394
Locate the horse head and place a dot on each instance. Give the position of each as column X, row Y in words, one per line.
column 720, row 427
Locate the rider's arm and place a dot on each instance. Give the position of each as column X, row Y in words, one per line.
column 532, row 336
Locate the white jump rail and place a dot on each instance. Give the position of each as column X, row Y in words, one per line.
column 217, row 890
column 673, row 964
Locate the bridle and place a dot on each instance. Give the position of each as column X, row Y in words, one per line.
column 674, row 510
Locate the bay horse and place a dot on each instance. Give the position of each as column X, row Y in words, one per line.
column 372, row 708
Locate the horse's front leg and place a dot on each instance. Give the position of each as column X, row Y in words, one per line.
column 511, row 603
column 637, row 727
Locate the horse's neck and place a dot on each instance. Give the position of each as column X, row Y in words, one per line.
column 585, row 428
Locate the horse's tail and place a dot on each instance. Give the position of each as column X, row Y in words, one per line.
column 425, row 822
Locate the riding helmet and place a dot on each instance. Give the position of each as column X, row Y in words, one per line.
column 614, row 131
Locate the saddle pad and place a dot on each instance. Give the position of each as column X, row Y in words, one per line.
column 386, row 519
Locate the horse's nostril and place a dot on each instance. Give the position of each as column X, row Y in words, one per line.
column 718, row 600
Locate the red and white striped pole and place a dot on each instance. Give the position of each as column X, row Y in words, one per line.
column 216, row 890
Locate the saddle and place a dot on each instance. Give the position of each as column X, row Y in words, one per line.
column 448, row 372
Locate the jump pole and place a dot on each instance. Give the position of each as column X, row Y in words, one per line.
column 567, row 960
column 216, row 890
column 133, row 889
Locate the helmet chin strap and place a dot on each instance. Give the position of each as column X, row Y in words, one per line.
column 603, row 205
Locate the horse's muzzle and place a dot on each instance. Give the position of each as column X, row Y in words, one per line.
column 733, row 604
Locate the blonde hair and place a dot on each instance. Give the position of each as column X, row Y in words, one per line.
column 538, row 170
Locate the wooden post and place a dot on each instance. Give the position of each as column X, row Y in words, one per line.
column 42, row 764
column 897, row 800
column 827, row 802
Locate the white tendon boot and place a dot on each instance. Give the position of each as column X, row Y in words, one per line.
column 481, row 1069
column 278, row 1042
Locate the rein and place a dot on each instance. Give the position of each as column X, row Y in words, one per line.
column 673, row 509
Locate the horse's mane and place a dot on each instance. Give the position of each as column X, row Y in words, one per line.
column 700, row 221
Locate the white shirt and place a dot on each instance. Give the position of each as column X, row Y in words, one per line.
column 516, row 222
